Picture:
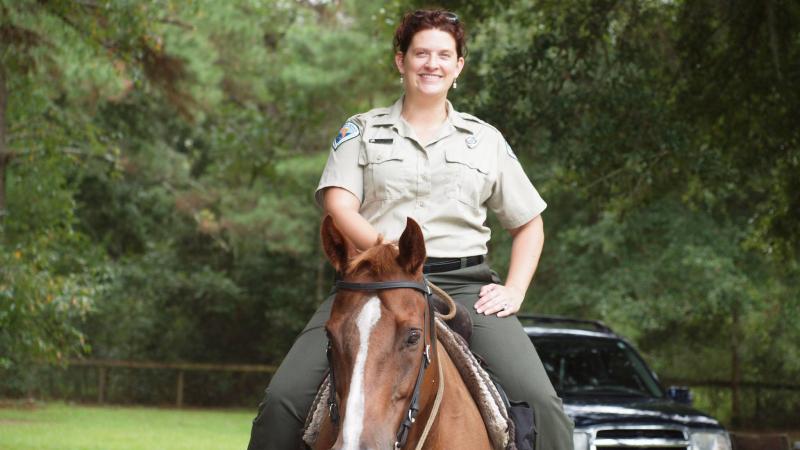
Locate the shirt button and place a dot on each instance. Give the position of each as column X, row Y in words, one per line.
column 421, row 204
column 380, row 158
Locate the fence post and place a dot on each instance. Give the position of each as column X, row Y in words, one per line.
column 179, row 395
column 101, row 384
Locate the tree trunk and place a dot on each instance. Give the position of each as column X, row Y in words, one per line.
column 736, row 368
column 5, row 156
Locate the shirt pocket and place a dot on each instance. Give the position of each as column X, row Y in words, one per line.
column 384, row 172
column 468, row 175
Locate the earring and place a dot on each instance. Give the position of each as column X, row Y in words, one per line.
column 455, row 83
column 401, row 79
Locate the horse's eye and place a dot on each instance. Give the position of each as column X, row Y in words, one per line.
column 413, row 337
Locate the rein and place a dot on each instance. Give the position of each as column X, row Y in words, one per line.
column 429, row 331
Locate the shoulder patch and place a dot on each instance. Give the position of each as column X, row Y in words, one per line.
column 348, row 131
column 510, row 152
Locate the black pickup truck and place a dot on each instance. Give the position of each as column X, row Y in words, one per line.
column 615, row 400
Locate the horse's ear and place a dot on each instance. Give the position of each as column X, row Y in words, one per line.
column 337, row 248
column 412, row 248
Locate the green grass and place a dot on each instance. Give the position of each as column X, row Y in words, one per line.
column 60, row 426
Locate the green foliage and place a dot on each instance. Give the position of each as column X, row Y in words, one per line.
column 160, row 159
column 171, row 150
column 659, row 134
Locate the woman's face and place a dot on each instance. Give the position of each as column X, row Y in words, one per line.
column 431, row 63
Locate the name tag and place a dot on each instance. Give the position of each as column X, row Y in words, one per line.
column 381, row 141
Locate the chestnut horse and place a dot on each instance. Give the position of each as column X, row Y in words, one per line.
column 394, row 387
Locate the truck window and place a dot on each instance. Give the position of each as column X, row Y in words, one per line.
column 591, row 366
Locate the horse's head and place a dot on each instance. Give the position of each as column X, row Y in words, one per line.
column 377, row 337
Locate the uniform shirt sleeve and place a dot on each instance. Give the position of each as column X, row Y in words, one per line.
column 514, row 199
column 343, row 169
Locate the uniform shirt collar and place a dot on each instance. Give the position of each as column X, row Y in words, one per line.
column 393, row 117
column 457, row 120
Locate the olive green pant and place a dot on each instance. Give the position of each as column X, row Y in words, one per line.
column 501, row 342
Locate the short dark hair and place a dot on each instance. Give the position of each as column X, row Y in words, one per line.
column 426, row 19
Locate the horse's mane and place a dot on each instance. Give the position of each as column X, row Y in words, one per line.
column 377, row 261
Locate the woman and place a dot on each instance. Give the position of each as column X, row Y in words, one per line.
column 422, row 159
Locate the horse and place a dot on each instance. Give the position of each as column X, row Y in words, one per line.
column 395, row 388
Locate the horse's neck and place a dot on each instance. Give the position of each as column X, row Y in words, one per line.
column 456, row 413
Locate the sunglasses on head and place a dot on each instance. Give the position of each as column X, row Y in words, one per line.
column 451, row 17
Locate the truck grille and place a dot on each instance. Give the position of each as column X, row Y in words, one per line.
column 657, row 447
column 640, row 438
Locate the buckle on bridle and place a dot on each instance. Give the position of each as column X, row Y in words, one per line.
column 427, row 355
column 333, row 410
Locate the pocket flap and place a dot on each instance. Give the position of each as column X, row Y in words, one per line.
column 379, row 153
column 468, row 158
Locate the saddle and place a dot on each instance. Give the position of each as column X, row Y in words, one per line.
column 461, row 323
column 490, row 401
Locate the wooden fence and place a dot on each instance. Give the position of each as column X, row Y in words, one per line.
column 104, row 365
column 729, row 385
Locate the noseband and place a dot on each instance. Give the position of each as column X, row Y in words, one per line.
column 429, row 330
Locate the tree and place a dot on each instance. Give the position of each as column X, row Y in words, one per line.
column 57, row 60
column 661, row 135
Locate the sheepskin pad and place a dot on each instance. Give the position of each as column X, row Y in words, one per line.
column 480, row 385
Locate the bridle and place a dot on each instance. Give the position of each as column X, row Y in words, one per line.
column 429, row 330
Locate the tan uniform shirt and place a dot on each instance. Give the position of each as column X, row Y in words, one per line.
column 446, row 186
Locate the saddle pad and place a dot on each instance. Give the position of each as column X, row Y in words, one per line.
column 480, row 385
column 317, row 413
column 490, row 403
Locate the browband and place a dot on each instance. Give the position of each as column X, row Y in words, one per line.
column 381, row 285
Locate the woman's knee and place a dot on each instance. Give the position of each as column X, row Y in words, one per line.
column 282, row 400
column 295, row 388
column 284, row 385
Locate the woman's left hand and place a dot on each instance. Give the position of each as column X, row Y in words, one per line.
column 499, row 299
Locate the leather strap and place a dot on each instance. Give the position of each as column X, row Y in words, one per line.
column 437, row 402
column 381, row 285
